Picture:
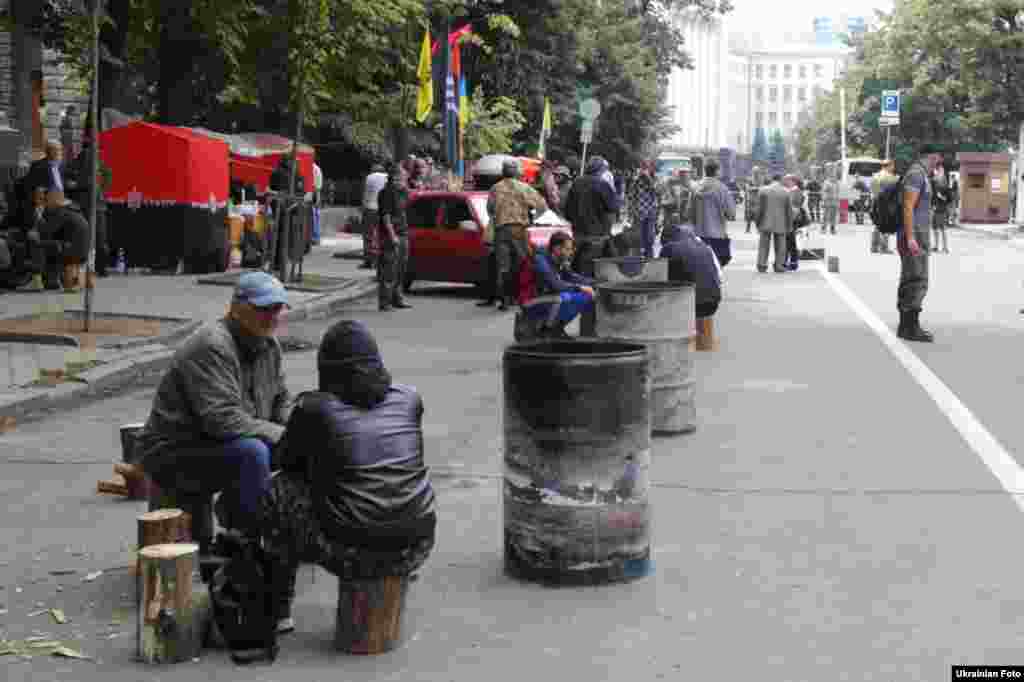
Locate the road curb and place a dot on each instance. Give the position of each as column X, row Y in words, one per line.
column 123, row 369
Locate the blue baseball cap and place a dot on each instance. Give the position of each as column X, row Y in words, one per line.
column 260, row 289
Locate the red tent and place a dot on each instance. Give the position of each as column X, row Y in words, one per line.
column 255, row 155
column 165, row 165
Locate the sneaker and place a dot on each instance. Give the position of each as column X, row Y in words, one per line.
column 285, row 625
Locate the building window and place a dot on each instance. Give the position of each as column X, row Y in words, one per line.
column 787, row 118
column 759, row 117
column 773, row 72
column 787, row 93
column 759, row 72
column 773, row 118
column 773, row 93
column 801, row 94
column 803, row 72
column 787, row 71
column 759, row 93
column 819, row 71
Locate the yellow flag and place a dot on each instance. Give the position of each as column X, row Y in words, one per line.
column 425, row 98
column 545, row 129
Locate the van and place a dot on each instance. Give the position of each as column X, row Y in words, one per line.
column 856, row 167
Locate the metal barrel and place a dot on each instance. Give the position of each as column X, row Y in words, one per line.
column 631, row 269
column 128, row 435
column 661, row 315
column 577, row 454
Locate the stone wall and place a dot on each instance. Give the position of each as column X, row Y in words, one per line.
column 61, row 88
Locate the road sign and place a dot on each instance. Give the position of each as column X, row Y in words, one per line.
column 887, row 121
column 891, row 106
column 590, row 109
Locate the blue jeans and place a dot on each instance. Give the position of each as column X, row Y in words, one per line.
column 569, row 305
column 648, row 225
column 239, row 469
column 316, row 224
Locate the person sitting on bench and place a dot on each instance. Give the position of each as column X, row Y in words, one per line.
column 353, row 494
column 221, row 407
column 691, row 260
column 550, row 293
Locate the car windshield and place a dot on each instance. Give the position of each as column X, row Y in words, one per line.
column 865, row 169
column 480, row 204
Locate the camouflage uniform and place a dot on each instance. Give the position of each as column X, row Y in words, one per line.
column 509, row 204
column 914, row 269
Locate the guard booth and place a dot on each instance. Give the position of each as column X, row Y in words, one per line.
column 984, row 187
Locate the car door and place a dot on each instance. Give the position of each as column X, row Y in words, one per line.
column 466, row 258
column 426, row 251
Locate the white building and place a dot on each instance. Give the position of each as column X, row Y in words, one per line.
column 699, row 97
column 769, row 88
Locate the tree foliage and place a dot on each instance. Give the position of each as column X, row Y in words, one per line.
column 492, row 125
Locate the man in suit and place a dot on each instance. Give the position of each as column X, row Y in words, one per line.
column 48, row 172
column 774, row 222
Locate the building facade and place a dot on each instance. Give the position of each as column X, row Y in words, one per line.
column 771, row 88
column 699, row 97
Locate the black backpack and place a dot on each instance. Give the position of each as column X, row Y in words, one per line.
column 887, row 209
column 244, row 601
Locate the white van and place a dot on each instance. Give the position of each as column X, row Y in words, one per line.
column 856, row 167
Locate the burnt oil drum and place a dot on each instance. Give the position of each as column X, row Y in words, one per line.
column 631, row 269
column 662, row 316
column 577, row 454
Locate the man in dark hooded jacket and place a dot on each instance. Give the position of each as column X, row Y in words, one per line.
column 354, row 494
column 591, row 208
column 691, row 260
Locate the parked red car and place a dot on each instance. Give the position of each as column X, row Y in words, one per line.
column 446, row 236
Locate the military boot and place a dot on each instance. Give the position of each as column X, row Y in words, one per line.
column 910, row 327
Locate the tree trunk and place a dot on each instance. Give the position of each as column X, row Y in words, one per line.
column 285, row 236
column 173, row 614
column 175, row 55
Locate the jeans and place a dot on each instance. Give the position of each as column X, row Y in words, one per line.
column 239, row 469
column 647, row 224
column 563, row 311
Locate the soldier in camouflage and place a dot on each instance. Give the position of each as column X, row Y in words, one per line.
column 914, row 245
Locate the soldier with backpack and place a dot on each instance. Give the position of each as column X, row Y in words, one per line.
column 904, row 209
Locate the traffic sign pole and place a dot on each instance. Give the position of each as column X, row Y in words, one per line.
column 888, row 137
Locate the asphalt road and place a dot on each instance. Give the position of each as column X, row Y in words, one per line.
column 827, row 521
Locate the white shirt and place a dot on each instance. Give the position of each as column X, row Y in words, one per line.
column 374, row 184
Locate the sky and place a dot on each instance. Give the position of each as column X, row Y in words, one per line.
column 776, row 18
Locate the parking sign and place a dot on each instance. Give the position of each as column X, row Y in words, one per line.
column 891, row 104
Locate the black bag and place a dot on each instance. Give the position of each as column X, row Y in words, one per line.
column 887, row 209
column 802, row 219
column 244, row 600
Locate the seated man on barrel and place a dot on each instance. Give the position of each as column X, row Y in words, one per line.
column 550, row 293
column 353, row 494
column 220, row 409
column 691, row 260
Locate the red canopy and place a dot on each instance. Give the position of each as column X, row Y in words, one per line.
column 255, row 155
column 165, row 164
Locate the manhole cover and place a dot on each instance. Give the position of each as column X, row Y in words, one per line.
column 311, row 282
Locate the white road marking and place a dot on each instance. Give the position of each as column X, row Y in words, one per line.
column 991, row 452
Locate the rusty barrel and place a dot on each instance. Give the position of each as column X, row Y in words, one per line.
column 660, row 315
column 631, row 269
column 577, row 453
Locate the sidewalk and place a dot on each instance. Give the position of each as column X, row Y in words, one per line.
column 164, row 309
column 1011, row 232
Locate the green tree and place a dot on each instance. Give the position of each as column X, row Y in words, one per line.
column 777, row 153
column 492, row 125
column 759, row 150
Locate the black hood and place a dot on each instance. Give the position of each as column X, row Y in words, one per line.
column 350, row 366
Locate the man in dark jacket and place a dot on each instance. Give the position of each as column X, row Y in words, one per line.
column 220, row 408
column 64, row 223
column 691, row 260
column 591, row 208
column 353, row 494
column 551, row 294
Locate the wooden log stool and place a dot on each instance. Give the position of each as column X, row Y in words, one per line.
column 198, row 509
column 370, row 614
column 706, row 334
column 174, row 612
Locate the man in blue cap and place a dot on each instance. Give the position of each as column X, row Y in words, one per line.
column 220, row 409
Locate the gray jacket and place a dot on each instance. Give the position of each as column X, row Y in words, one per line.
column 775, row 214
column 221, row 385
column 711, row 209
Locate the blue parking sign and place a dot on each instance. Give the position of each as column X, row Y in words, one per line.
column 891, row 103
